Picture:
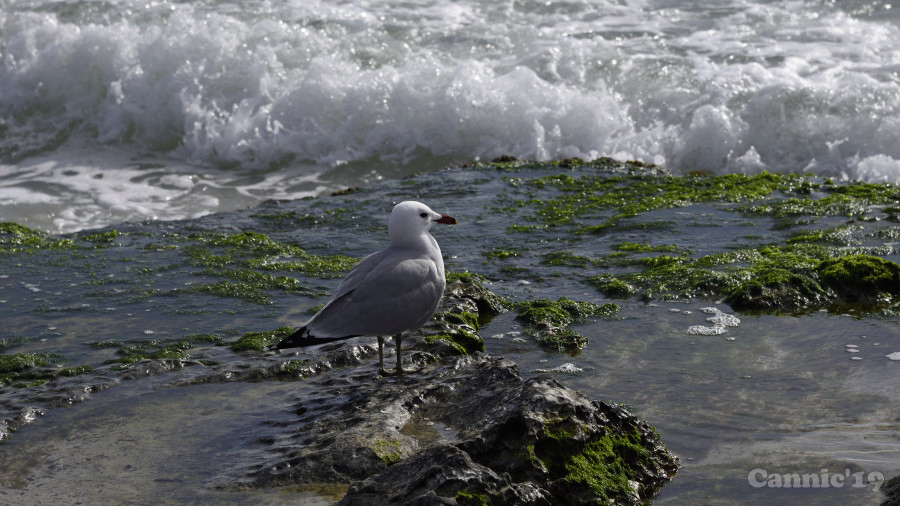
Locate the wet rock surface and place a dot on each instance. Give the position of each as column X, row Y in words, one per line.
column 464, row 427
column 891, row 489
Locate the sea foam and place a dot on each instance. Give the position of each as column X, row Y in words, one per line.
column 305, row 87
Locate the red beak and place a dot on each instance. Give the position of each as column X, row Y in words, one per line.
column 446, row 219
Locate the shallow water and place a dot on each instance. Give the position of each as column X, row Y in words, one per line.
column 132, row 444
column 776, row 393
column 783, row 396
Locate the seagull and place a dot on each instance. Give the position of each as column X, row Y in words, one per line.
column 389, row 292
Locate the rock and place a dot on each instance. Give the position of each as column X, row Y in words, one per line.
column 777, row 290
column 891, row 490
column 502, row 439
column 861, row 278
column 550, row 321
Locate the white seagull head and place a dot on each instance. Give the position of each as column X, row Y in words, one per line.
column 411, row 219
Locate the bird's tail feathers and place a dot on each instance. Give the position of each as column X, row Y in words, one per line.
column 303, row 338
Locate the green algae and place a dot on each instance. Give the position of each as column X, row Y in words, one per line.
column 612, row 287
column 795, row 277
column 15, row 239
column 605, row 466
column 464, row 498
column 613, row 198
column 389, row 451
column 21, row 361
column 22, row 370
column 842, row 235
column 558, row 313
column 549, row 320
column 831, row 205
column 460, row 330
column 7, row 342
column 861, row 278
column 239, row 258
column 499, row 254
column 159, row 349
column 777, row 290
column 260, row 341
column 461, row 318
column 102, row 238
column 630, row 247
column 463, row 341
column 566, row 259
column 601, row 465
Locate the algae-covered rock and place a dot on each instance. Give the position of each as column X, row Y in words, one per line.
column 450, row 475
column 506, row 441
column 260, row 341
column 612, row 287
column 861, row 278
column 466, row 305
column 778, row 290
column 550, row 321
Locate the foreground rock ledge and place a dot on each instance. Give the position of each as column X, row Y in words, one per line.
column 468, row 430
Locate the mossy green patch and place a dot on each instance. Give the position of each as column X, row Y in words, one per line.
column 840, row 236
column 21, row 361
column 472, row 286
column 260, row 341
column 75, row 371
column 23, row 370
column 612, row 287
column 630, row 247
column 561, row 312
column 601, row 465
column 861, row 278
column 100, row 238
column 605, row 466
column 240, row 257
column 566, row 259
column 463, row 341
column 390, row 451
column 612, row 198
column 7, row 342
column 499, row 254
column 798, row 276
column 777, row 290
column 831, row 205
column 159, row 349
column 461, row 318
column 550, row 321
column 464, row 498
column 15, row 238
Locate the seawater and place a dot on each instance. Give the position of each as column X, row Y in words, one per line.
column 782, row 394
column 115, row 111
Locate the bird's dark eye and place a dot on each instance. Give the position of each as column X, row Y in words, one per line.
column 424, row 215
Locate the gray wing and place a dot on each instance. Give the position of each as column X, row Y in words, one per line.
column 392, row 293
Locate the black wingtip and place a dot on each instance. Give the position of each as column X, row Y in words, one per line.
column 295, row 340
column 302, row 338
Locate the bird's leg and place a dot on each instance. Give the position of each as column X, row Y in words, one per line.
column 381, row 356
column 399, row 365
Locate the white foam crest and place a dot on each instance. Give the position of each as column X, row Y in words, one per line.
column 784, row 85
